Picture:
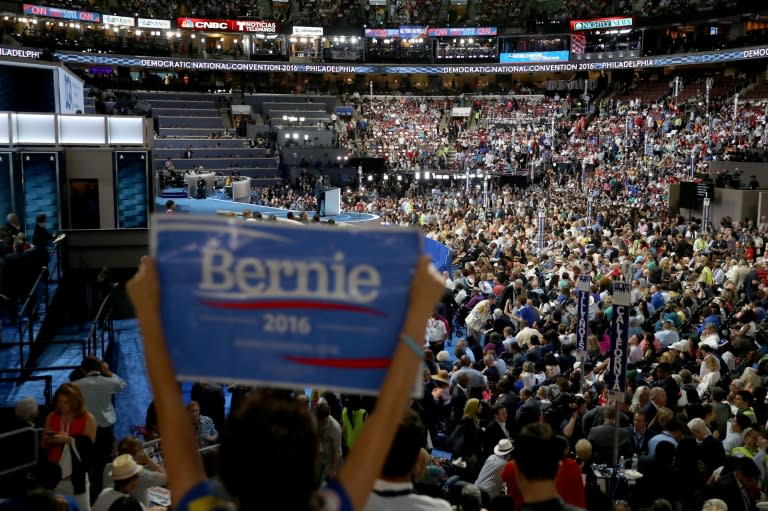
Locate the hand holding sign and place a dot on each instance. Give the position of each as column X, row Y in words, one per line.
column 363, row 464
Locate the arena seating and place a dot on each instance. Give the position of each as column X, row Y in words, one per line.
column 194, row 122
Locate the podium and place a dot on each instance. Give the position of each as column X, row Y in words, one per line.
column 332, row 202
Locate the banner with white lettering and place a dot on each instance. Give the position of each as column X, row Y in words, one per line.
column 282, row 305
column 582, row 312
column 616, row 377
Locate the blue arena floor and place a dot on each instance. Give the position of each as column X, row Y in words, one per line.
column 211, row 205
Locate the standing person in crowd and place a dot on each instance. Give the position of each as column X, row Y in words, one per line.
column 532, row 476
column 393, row 489
column 319, row 196
column 203, row 426
column 99, row 386
column 69, row 435
column 329, row 434
column 12, row 225
column 276, row 429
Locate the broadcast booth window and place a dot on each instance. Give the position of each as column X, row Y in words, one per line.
column 692, row 194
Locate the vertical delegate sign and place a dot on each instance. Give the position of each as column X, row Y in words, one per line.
column 617, row 371
column 540, row 232
column 705, row 215
column 282, row 305
column 582, row 312
column 131, row 189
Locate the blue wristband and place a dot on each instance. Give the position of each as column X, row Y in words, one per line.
column 413, row 345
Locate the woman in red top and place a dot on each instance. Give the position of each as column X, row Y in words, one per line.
column 69, row 419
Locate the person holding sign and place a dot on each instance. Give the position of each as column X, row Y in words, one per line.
column 269, row 445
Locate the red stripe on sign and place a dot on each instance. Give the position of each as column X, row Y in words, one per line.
column 295, row 304
column 340, row 363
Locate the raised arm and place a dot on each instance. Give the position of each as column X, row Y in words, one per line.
column 182, row 462
column 365, row 461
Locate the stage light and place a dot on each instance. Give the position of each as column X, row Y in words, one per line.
column 370, row 177
column 417, row 176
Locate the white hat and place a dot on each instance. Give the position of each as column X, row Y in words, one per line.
column 124, row 467
column 679, row 346
column 504, row 447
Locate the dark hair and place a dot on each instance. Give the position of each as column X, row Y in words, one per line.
column 91, row 363
column 126, row 503
column 40, row 499
column 41, row 218
column 406, row 447
column 538, row 452
column 169, row 204
column 267, row 427
column 717, row 393
column 746, row 396
column 496, row 408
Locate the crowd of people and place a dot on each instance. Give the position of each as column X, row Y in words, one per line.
column 512, row 415
column 508, row 133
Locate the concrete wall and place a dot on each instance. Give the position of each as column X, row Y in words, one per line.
column 738, row 204
column 94, row 164
column 745, row 168
column 114, row 248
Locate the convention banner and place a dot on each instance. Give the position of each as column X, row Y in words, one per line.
column 582, row 312
column 282, row 305
column 616, row 377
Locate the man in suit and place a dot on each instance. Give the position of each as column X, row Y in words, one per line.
column 738, row 489
column 709, row 450
column 459, row 398
column 666, row 382
column 658, row 400
column 496, row 429
column 638, row 434
column 319, row 194
column 602, row 438
column 12, row 224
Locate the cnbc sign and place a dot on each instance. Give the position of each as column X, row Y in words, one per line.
column 261, row 26
column 601, row 23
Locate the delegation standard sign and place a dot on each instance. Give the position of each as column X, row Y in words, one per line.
column 282, row 305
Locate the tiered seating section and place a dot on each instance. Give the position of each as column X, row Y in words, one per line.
column 190, row 115
column 192, row 123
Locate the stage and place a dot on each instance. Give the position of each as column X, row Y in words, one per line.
column 212, row 205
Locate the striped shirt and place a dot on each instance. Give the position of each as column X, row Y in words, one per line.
column 489, row 479
column 98, row 390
